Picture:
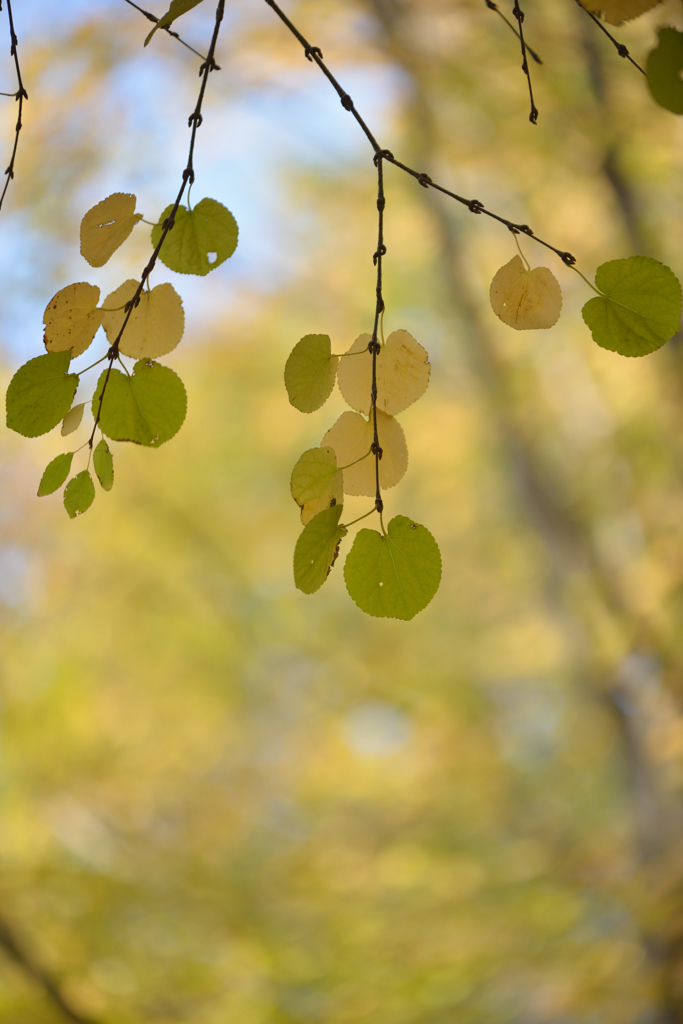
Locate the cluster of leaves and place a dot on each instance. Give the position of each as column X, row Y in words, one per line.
column 394, row 573
column 636, row 310
column 147, row 405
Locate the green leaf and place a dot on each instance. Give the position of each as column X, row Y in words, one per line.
column 640, row 307
column 310, row 372
column 394, row 576
column 200, row 240
column 177, row 8
column 79, row 494
column 147, row 408
column 317, row 549
column 103, row 464
column 664, row 65
column 316, row 482
column 40, row 394
column 55, row 474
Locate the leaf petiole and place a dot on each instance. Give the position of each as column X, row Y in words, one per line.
column 601, row 294
column 340, row 468
column 353, row 521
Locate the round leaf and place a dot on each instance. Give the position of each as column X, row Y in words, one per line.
column 527, row 300
column 154, row 327
column 79, row 494
column 664, row 65
column 106, row 226
column 72, row 318
column 316, row 482
column 317, row 549
column 103, row 464
column 394, row 576
column 640, row 308
column 310, row 372
column 200, row 240
column 616, row 12
column 351, row 437
column 402, row 373
column 40, row 394
column 55, row 474
column 147, row 408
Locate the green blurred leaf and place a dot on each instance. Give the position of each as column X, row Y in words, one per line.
column 310, row 372
column 664, row 65
column 79, row 494
column 394, row 576
column 40, row 394
column 103, row 464
column 55, row 474
column 208, row 230
column 177, row 8
column 317, row 549
column 147, row 408
column 72, row 420
column 640, row 308
column 316, row 484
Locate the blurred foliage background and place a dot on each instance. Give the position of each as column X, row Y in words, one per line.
column 221, row 800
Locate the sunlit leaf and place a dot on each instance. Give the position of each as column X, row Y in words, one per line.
column 40, row 394
column 664, row 65
column 72, row 318
column 640, row 308
column 177, row 8
column 527, row 300
column 394, row 576
column 200, row 240
column 154, row 327
column 316, row 482
column 310, row 371
column 106, row 226
column 317, row 549
column 72, row 420
column 79, row 494
column 402, row 373
column 103, row 464
column 351, row 438
column 147, row 408
column 616, row 12
column 55, row 474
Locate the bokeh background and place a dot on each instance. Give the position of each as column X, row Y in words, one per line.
column 222, row 800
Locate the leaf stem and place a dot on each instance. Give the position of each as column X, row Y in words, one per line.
column 601, row 294
column 353, row 521
column 340, row 468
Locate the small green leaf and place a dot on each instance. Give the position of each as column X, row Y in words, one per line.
column 317, row 549
column 40, row 394
column 316, row 482
column 664, row 65
column 177, row 8
column 310, row 372
column 200, row 240
column 640, row 307
column 147, row 408
column 394, row 576
column 55, row 474
column 79, row 494
column 103, row 464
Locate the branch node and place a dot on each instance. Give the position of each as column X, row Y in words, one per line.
column 475, row 206
column 382, row 251
column 376, row 449
column 313, row 51
column 346, row 101
column 424, row 180
column 379, row 505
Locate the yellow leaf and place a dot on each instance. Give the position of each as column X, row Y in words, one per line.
column 402, row 373
column 71, row 318
column 616, row 12
column 527, row 300
column 155, row 326
column 106, row 226
column 72, row 420
column 351, row 437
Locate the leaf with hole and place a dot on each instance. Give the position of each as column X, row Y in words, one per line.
column 310, row 372
column 317, row 549
column 79, row 494
column 393, row 576
column 72, row 420
column 528, row 300
column 55, row 474
column 40, row 394
column 155, row 325
column 147, row 407
column 71, row 319
column 640, row 308
column 200, row 239
column 176, row 9
column 351, row 438
column 106, row 226
column 103, row 464
column 664, row 66
column 316, row 482
column 402, row 373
